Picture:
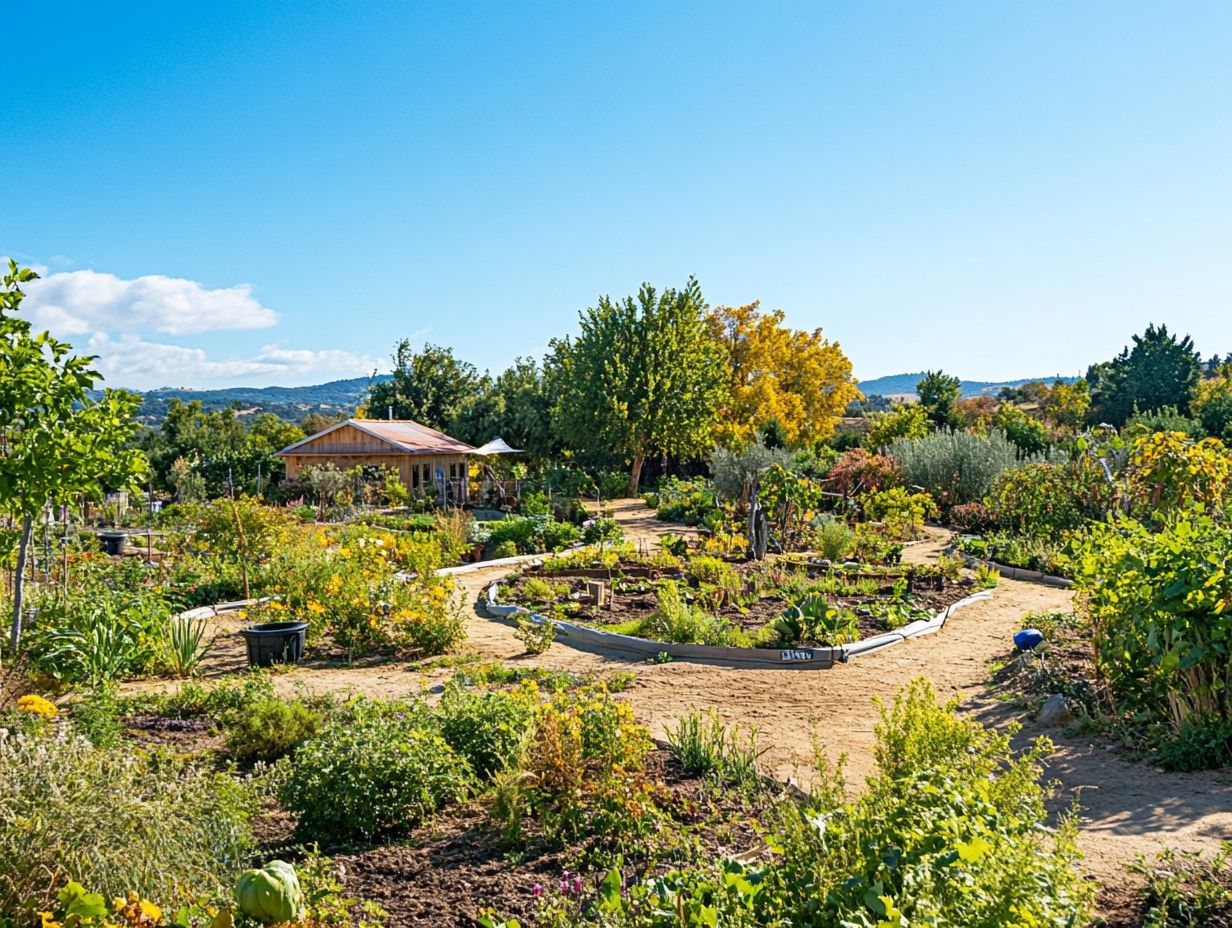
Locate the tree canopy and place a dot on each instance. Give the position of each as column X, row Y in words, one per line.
column 784, row 382
column 430, row 386
column 1158, row 370
column 57, row 442
column 645, row 376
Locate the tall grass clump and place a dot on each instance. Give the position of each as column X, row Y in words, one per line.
column 956, row 467
column 116, row 822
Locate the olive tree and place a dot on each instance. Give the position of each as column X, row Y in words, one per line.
column 58, row 441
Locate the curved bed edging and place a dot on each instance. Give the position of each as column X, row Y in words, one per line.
column 1020, row 573
column 804, row 658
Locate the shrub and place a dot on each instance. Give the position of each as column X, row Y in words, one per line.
column 603, row 531
column 1158, row 604
column 534, row 534
column 734, row 472
column 376, row 774
column 117, row 821
column 859, row 471
column 505, row 549
column 950, row 831
column 585, row 764
column 905, row 420
column 270, row 729
column 1168, row 471
column 955, row 467
column 1202, row 743
column 833, row 538
column 903, row 513
column 486, row 728
column 687, row 501
column 538, row 635
column 972, row 518
column 679, row 622
column 1036, row 500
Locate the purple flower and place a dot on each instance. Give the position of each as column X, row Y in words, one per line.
column 537, row 890
column 578, row 884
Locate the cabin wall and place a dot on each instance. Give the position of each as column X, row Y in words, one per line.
column 415, row 470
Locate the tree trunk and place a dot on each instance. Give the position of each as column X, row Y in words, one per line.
column 19, row 582
column 635, row 475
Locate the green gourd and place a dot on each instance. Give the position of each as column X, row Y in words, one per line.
column 271, row 895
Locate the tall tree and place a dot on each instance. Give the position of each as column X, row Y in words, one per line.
column 938, row 393
column 1158, row 370
column 429, row 386
column 644, row 377
column 57, row 442
column 514, row 406
column 796, row 380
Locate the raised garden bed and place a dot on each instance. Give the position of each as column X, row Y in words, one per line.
column 769, row 613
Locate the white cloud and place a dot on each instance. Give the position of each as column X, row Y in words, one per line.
column 133, row 362
column 78, row 302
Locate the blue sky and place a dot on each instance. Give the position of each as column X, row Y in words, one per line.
column 274, row 193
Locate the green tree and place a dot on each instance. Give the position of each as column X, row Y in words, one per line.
column 902, row 420
column 514, row 406
column 938, row 393
column 1158, row 370
column 430, row 386
column 57, row 442
column 644, row 377
column 1028, row 434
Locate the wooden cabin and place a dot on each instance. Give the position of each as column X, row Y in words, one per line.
column 429, row 462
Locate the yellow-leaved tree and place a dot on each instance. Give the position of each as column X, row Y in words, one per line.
column 795, row 378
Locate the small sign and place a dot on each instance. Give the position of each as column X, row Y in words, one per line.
column 796, row 654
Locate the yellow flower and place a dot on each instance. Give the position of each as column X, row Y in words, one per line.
column 37, row 705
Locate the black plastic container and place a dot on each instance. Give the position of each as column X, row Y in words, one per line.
column 275, row 643
column 113, row 542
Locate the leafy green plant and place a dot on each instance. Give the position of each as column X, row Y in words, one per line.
column 811, row 619
column 833, row 538
column 1158, row 602
column 485, row 728
column 1187, row 890
column 987, row 577
column 537, row 635
column 675, row 620
column 378, row 773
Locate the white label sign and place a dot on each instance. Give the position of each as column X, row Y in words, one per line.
column 796, row 654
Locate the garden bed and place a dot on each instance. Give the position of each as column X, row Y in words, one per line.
column 774, row 613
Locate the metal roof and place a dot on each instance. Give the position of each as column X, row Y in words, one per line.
column 401, row 434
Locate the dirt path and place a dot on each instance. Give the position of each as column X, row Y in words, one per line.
column 1128, row 808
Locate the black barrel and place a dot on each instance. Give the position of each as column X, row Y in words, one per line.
column 113, row 542
column 275, row 643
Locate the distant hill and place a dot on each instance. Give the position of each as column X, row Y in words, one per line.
column 904, row 385
column 291, row 403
